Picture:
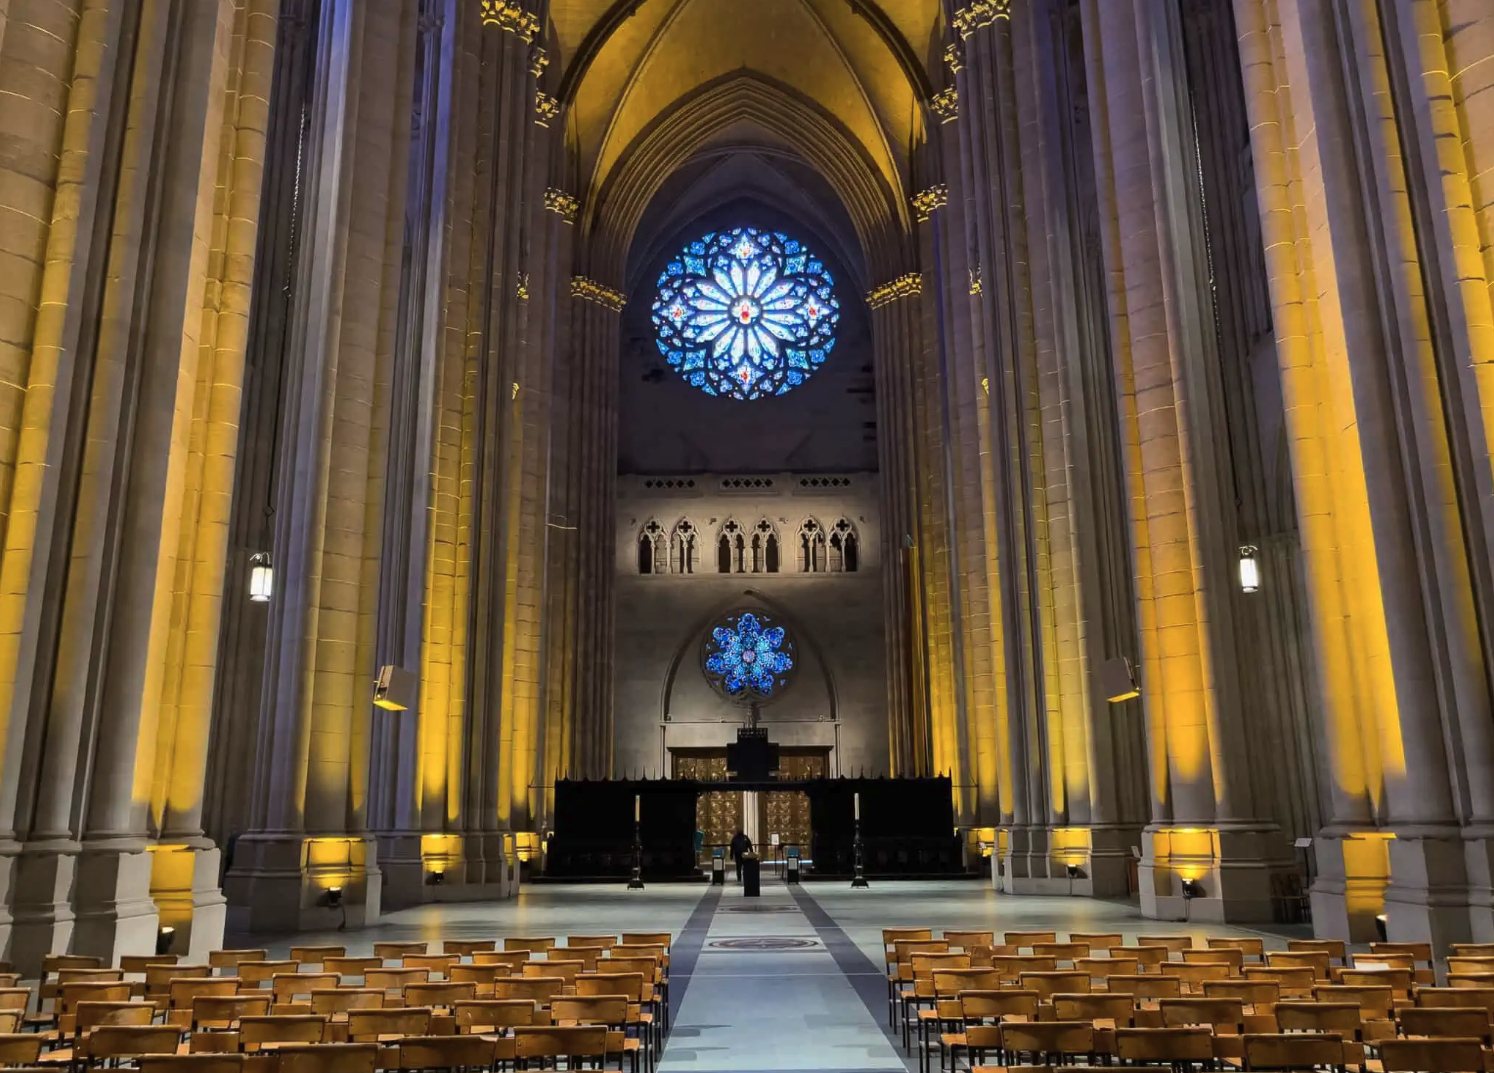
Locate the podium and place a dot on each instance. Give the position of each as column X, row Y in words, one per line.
column 752, row 877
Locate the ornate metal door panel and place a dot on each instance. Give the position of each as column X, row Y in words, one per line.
column 717, row 812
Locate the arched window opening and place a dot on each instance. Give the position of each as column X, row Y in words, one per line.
column 645, row 554
column 764, row 549
column 723, row 554
column 843, row 549
column 812, row 557
column 651, row 553
column 772, row 553
column 682, row 551
column 731, row 550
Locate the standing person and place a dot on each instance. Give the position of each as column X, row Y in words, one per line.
column 741, row 845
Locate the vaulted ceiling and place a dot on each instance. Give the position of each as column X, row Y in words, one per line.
column 847, row 72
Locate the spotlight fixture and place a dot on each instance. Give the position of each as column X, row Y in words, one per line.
column 164, row 936
column 261, row 577
column 333, row 897
column 1250, row 570
column 1192, row 888
column 1073, row 871
column 437, row 877
column 1380, row 928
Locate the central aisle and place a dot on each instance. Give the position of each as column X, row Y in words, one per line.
column 775, row 986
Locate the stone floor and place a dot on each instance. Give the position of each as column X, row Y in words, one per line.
column 789, row 981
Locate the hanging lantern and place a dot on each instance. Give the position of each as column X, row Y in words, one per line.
column 1250, row 570
column 261, row 577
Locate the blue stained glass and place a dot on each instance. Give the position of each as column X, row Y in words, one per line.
column 748, row 658
column 742, row 305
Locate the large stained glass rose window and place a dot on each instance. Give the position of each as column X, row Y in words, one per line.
column 746, row 313
column 747, row 658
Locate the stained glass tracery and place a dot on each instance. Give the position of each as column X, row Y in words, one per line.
column 745, row 313
column 748, row 658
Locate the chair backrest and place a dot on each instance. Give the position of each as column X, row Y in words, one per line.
column 1252, row 948
column 579, row 1041
column 892, row 935
column 1174, row 943
column 566, row 970
column 448, row 1052
column 622, row 966
column 1471, row 950
column 537, row 944
column 54, row 963
column 1316, row 960
column 1398, row 980
column 89, row 976
column 436, row 964
column 1194, row 975
column 1464, row 964
column 369, row 1025
column 159, row 978
column 15, row 998
column 91, row 1015
column 1025, row 939
column 468, row 947
column 11, row 1020
column 223, row 1010
column 510, row 959
column 1171, row 1045
column 629, row 950
column 1048, row 1037
column 1432, row 1056
column 315, row 955
column 1069, row 952
column 129, row 1041
column 984, row 1005
column 1418, row 952
column 587, row 955
column 20, row 1049
column 1048, row 984
column 1118, row 1009
column 70, row 995
column 1342, row 1017
column 948, row 983
column 1248, row 992
column 1150, row 957
column 1221, row 955
column 288, row 986
column 283, row 1028
column 606, row 941
column 394, row 951
column 925, row 964
column 491, row 1014
column 137, row 963
column 1336, row 949
column 1147, row 985
column 440, row 994
column 648, row 938
column 1011, row 966
column 1097, row 940
column 183, row 993
column 1217, row 1012
column 1445, row 1021
column 328, row 1058
column 190, row 1063
column 481, row 975
column 229, row 959
column 589, row 1009
column 963, row 940
column 1456, row 996
column 1101, row 968
column 395, row 979
column 1293, row 982
column 259, row 973
column 539, row 989
column 341, row 1000
column 1376, row 1003
column 352, row 966
column 1293, row 1050
column 631, row 984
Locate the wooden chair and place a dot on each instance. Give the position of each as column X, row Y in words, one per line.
column 609, row 941
column 1336, row 949
column 1340, row 1018
column 1222, row 1015
column 1227, row 956
column 1148, row 958
column 491, row 1016
column 1176, row 1047
column 395, row 981
column 436, row 965
column 480, row 976
column 227, row 962
column 512, row 960
column 1069, row 952
column 1104, row 968
column 378, row 1026
column 15, row 998
column 1471, row 950
column 331, row 1002
column 260, row 973
column 609, row 1011
column 1297, row 1050
column 1048, row 1042
column 398, row 951
column 346, row 966
column 20, row 1048
column 134, row 964
column 1146, row 986
column 448, row 1052
column 963, row 940
column 1175, row 944
column 73, row 996
column 539, row 989
column 1023, row 940
column 1432, row 1056
column 1316, row 960
column 587, row 955
column 1194, row 975
column 468, row 947
column 1048, row 984
column 1097, row 940
column 255, row 1033
column 534, row 944
column 190, row 1063
column 11, row 1020
column 116, row 1043
column 1399, row 981
column 328, row 1058
column 1119, row 1010
column 215, row 1012
column 183, row 993
column 566, row 970
column 1469, row 965
column 1294, row 983
column 440, row 995
column 1251, row 948
column 1455, row 1021
column 315, row 955
column 289, row 986
column 1012, row 966
column 978, row 1007
column 648, row 938
column 1456, row 996
column 574, row 1043
column 1252, row 993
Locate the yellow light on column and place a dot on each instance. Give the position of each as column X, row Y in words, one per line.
column 261, row 577
column 1250, row 570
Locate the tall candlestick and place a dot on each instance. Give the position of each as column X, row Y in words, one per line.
column 637, row 807
column 858, row 805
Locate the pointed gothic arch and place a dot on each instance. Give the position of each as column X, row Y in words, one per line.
column 813, row 550
column 844, row 548
column 653, row 558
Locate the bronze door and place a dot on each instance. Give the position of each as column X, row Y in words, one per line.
column 786, row 812
column 717, row 812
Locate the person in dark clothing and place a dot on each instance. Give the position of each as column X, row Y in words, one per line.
column 741, row 845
